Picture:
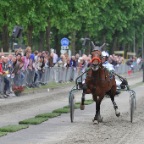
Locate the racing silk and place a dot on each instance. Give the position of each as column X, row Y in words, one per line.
column 108, row 66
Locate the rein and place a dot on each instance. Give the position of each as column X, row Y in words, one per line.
column 100, row 69
column 98, row 76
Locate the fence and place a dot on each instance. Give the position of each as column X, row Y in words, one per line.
column 54, row 74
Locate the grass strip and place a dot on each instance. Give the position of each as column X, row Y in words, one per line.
column 87, row 102
column 34, row 121
column 76, row 106
column 3, row 133
column 61, row 110
column 66, row 106
column 38, row 119
column 50, row 85
column 48, row 115
column 13, row 128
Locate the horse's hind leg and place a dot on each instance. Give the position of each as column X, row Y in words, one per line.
column 115, row 106
column 82, row 106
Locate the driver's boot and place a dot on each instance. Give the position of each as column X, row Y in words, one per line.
column 117, row 92
column 80, row 85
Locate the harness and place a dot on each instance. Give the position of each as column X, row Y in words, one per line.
column 98, row 77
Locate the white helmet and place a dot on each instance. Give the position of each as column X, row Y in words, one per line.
column 105, row 54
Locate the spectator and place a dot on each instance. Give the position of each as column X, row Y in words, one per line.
column 139, row 62
column 134, row 63
column 31, row 62
column 76, row 58
column 62, row 61
column 28, row 49
column 54, row 57
column 82, row 64
column 50, row 61
column 17, row 69
column 113, row 60
column 41, row 68
column 3, row 64
column 73, row 62
column 36, row 55
column 10, row 63
column 129, row 64
column 26, row 60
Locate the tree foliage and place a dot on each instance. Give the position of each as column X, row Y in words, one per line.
column 101, row 20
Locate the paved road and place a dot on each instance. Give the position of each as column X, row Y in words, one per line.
column 60, row 130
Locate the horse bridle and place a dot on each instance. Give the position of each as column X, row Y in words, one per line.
column 95, row 67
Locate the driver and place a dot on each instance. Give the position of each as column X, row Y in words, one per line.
column 111, row 69
column 97, row 51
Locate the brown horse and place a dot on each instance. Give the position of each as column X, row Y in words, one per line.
column 99, row 83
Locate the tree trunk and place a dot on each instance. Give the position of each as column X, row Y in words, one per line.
column 136, row 48
column 41, row 42
column 114, row 45
column 118, row 46
column 128, row 49
column 104, row 39
column 73, row 40
column 48, row 35
column 5, row 38
column 29, row 34
column 56, row 40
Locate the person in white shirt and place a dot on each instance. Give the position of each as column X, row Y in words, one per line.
column 55, row 58
column 111, row 69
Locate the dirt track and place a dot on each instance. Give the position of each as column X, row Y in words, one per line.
column 112, row 130
column 59, row 130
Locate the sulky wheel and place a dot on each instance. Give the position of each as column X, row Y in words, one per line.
column 132, row 105
column 71, row 104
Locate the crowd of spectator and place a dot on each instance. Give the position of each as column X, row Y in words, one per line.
column 133, row 61
column 15, row 65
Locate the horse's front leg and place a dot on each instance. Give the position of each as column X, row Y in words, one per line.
column 98, row 117
column 82, row 106
column 115, row 106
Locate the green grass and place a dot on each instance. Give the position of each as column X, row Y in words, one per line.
column 34, row 121
column 3, row 133
column 61, row 110
column 13, row 128
column 78, row 103
column 48, row 115
column 38, row 119
column 50, row 85
column 76, row 106
column 66, row 106
column 87, row 102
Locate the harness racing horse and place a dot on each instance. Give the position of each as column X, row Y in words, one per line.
column 99, row 82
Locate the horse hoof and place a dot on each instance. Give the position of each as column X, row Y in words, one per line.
column 95, row 121
column 118, row 114
column 82, row 107
column 100, row 119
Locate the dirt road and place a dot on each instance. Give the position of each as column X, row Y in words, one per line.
column 112, row 130
column 59, row 130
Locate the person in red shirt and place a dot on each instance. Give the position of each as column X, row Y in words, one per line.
column 1, row 68
column 6, row 81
